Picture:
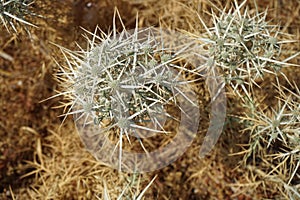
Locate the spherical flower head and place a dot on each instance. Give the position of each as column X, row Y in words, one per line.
column 124, row 76
column 245, row 47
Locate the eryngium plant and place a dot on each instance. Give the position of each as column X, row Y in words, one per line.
column 14, row 12
column 277, row 130
column 245, row 47
column 123, row 195
column 123, row 84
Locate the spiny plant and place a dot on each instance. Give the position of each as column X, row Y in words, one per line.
column 123, row 195
column 123, row 83
column 13, row 14
column 245, row 47
column 277, row 130
column 281, row 122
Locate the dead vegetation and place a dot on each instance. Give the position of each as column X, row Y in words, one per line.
column 42, row 159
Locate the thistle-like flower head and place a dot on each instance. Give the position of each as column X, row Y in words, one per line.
column 124, row 83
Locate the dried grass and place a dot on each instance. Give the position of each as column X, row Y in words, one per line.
column 38, row 161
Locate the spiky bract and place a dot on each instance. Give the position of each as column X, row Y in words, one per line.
column 245, row 47
column 14, row 12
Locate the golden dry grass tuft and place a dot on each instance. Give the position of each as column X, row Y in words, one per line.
column 63, row 169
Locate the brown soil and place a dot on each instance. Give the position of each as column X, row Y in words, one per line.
column 41, row 158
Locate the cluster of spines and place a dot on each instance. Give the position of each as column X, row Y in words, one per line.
column 13, row 14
